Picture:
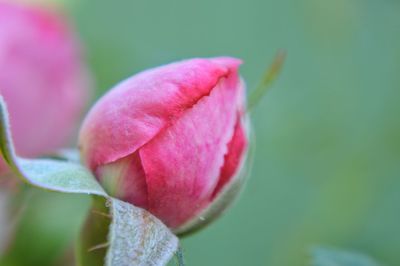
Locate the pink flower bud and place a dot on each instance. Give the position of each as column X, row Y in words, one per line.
column 170, row 139
column 42, row 78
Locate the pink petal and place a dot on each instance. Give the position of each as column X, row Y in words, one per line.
column 182, row 164
column 236, row 150
column 42, row 78
column 135, row 111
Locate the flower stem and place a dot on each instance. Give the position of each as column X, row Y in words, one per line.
column 269, row 77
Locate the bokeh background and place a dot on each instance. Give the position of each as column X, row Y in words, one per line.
column 327, row 160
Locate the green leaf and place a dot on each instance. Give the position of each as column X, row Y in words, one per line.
column 59, row 176
column 150, row 242
column 55, row 175
column 128, row 236
column 135, row 236
column 71, row 155
column 334, row 257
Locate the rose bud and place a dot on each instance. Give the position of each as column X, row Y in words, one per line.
column 171, row 140
column 43, row 79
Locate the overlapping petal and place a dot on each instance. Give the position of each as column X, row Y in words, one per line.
column 182, row 164
column 136, row 110
column 171, row 138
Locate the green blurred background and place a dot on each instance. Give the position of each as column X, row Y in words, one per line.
column 327, row 162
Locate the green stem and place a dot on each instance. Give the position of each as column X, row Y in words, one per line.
column 269, row 77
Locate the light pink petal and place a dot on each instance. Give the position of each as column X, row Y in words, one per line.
column 136, row 110
column 125, row 179
column 182, row 164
